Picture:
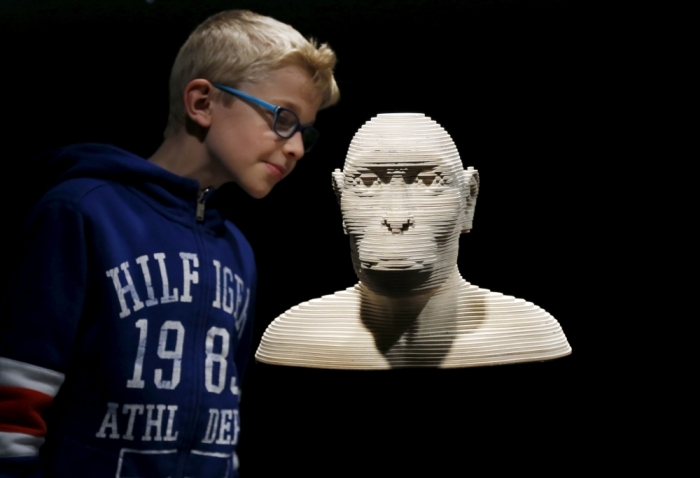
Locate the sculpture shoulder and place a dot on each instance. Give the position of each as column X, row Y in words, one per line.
column 323, row 333
column 474, row 297
column 349, row 297
column 494, row 328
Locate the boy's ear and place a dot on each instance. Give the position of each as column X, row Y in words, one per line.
column 197, row 98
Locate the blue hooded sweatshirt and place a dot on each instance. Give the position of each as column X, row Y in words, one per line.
column 125, row 334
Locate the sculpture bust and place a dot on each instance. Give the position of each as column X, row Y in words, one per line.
column 405, row 199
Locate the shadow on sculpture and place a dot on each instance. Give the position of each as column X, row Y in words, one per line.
column 401, row 338
column 405, row 199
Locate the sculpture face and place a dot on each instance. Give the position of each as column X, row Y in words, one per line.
column 402, row 204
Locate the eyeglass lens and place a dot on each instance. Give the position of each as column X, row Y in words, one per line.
column 309, row 137
column 287, row 123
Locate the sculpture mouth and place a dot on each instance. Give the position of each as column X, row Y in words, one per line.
column 396, row 282
column 393, row 265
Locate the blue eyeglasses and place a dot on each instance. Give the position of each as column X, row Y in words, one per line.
column 286, row 122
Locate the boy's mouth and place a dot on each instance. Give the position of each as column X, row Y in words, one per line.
column 276, row 170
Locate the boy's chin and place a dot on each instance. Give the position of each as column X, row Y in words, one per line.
column 258, row 192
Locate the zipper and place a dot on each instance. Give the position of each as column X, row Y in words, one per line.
column 201, row 204
column 189, row 442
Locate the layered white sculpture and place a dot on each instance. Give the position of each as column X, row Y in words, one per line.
column 405, row 199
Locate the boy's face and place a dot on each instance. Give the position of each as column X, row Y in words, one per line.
column 240, row 141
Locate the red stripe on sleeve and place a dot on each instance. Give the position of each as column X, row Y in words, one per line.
column 20, row 410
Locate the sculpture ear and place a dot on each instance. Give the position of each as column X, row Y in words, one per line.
column 470, row 191
column 338, row 184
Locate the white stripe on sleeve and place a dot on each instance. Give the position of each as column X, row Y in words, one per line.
column 19, row 444
column 24, row 375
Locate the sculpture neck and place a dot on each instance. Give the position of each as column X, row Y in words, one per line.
column 404, row 326
column 410, row 308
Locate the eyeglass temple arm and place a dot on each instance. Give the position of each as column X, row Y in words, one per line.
column 252, row 99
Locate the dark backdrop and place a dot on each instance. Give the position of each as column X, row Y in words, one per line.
column 511, row 82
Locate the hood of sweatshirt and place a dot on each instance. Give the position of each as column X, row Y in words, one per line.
column 103, row 161
column 173, row 195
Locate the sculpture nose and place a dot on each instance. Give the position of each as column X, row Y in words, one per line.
column 398, row 222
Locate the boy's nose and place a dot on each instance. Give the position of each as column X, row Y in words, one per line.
column 294, row 147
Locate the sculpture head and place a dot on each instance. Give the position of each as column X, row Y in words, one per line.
column 404, row 198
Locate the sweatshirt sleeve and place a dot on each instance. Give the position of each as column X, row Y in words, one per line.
column 40, row 315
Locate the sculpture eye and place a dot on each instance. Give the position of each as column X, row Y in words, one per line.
column 369, row 180
column 427, row 178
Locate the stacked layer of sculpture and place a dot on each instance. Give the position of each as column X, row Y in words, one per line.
column 405, row 199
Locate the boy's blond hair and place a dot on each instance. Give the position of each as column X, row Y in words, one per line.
column 239, row 46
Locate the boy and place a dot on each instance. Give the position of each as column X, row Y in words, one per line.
column 129, row 325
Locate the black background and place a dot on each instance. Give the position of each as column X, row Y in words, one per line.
column 513, row 82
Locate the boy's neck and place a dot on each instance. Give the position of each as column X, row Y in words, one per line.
column 183, row 154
